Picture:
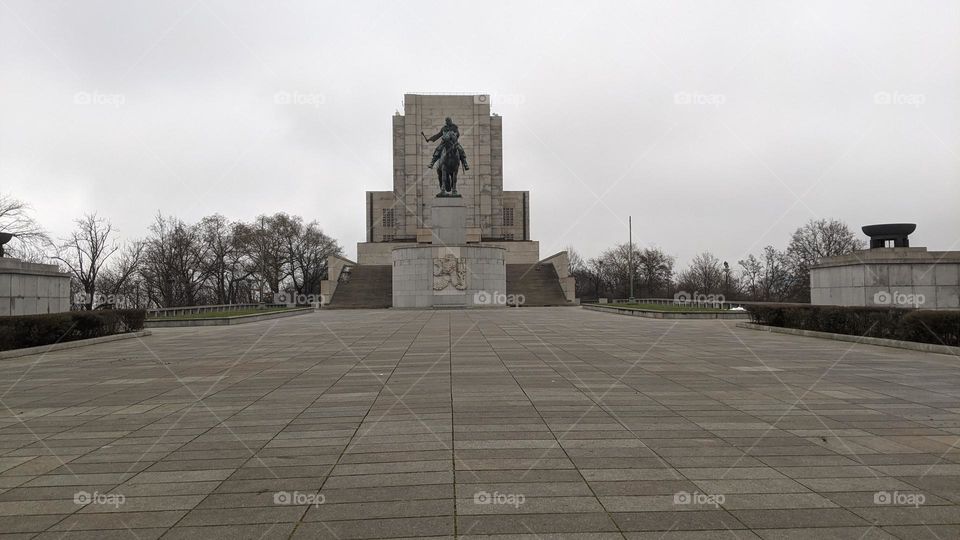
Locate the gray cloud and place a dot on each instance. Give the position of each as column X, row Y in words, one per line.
column 718, row 126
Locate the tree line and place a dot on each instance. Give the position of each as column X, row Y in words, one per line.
column 218, row 261
column 773, row 275
column 212, row 261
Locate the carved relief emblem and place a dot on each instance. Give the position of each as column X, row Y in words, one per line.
column 449, row 270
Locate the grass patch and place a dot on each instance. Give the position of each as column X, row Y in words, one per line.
column 670, row 308
column 220, row 314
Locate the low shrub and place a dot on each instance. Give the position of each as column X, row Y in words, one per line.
column 34, row 330
column 132, row 319
column 925, row 326
column 22, row 331
column 940, row 327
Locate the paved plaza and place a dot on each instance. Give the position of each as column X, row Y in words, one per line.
column 529, row 423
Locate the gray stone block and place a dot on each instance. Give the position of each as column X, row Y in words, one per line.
column 947, row 274
column 901, row 275
column 948, row 297
column 876, row 275
column 923, row 274
column 929, row 296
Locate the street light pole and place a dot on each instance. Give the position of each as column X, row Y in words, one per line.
column 630, row 254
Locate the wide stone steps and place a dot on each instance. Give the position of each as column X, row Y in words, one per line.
column 539, row 284
column 370, row 286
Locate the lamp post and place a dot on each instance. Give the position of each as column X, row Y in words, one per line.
column 630, row 256
column 726, row 279
column 599, row 277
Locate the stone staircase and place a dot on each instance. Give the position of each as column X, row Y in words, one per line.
column 370, row 286
column 539, row 284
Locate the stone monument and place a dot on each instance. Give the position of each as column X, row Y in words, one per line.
column 447, row 271
column 448, row 233
column 31, row 288
column 889, row 274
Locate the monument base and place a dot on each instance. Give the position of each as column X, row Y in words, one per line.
column 448, row 276
column 909, row 277
column 32, row 289
column 448, row 221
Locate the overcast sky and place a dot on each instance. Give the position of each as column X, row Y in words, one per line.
column 719, row 126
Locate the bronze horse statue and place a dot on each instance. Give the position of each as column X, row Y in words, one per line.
column 449, row 165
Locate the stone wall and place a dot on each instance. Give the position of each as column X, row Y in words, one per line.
column 335, row 264
column 561, row 263
column 30, row 288
column 904, row 277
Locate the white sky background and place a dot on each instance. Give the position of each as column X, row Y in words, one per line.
column 783, row 123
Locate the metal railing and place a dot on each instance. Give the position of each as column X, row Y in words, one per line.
column 189, row 310
column 726, row 303
column 674, row 302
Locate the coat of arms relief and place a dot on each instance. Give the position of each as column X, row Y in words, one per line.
column 449, row 270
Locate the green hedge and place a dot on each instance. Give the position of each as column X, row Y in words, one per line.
column 22, row 331
column 924, row 326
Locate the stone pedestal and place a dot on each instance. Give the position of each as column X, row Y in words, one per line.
column 909, row 277
column 448, row 276
column 448, row 221
column 31, row 289
column 448, row 272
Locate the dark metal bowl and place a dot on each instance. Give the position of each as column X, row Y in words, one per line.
column 5, row 237
column 889, row 229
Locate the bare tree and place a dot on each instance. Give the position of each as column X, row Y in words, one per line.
column 655, row 271
column 121, row 280
column 778, row 277
column 813, row 241
column 86, row 251
column 29, row 238
column 704, row 275
column 751, row 275
column 226, row 261
column 308, row 248
column 652, row 271
column 268, row 247
column 173, row 270
column 576, row 260
column 584, row 278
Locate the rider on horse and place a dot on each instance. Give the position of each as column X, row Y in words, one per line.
column 448, row 126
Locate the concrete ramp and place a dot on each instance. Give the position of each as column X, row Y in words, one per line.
column 369, row 286
column 538, row 283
